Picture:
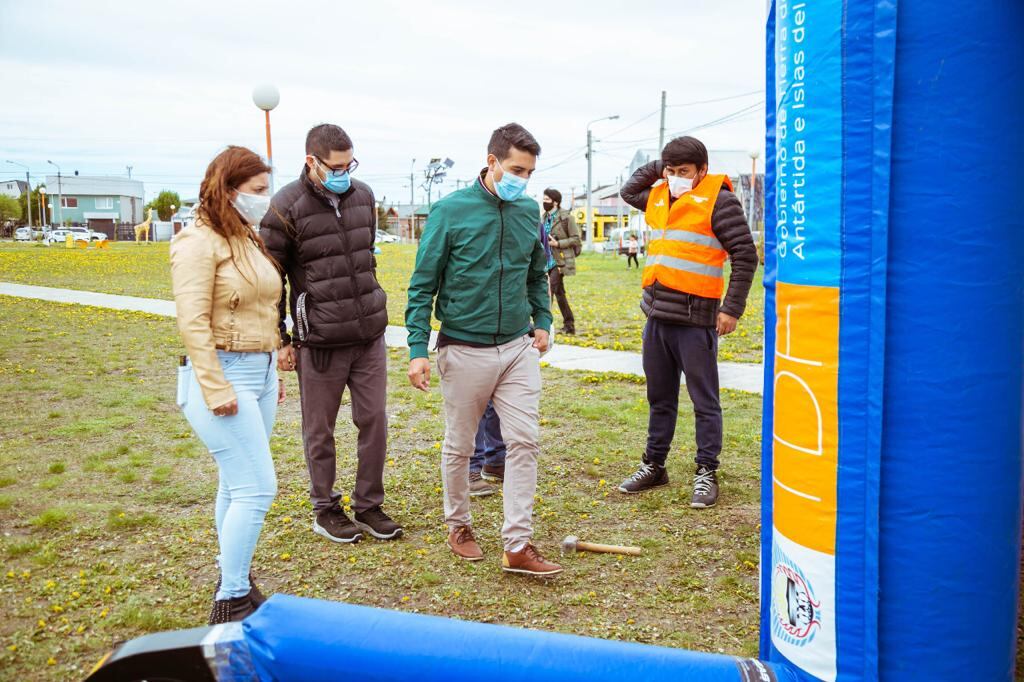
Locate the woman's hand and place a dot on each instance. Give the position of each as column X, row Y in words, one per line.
column 227, row 410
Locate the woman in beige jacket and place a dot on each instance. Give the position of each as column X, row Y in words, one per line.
column 226, row 289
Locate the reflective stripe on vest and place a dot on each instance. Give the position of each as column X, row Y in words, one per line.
column 684, row 236
column 684, row 253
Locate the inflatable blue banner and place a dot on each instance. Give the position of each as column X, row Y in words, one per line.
column 883, row 272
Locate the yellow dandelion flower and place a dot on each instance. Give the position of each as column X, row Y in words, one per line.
column 286, row 556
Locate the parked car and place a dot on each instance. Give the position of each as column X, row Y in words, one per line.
column 59, row 236
column 23, row 234
column 386, row 237
column 618, row 240
column 96, row 236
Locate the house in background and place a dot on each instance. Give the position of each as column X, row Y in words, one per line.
column 406, row 220
column 98, row 202
column 13, row 188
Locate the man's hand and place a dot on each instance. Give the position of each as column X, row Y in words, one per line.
column 540, row 340
column 228, row 410
column 286, row 359
column 726, row 324
column 552, row 242
column 419, row 373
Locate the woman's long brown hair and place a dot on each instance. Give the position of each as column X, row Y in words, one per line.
column 226, row 172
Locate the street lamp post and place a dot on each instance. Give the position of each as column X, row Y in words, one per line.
column 590, row 163
column 60, row 194
column 42, row 207
column 28, row 191
column 753, row 188
column 266, row 97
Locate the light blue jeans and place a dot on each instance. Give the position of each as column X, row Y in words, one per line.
column 240, row 444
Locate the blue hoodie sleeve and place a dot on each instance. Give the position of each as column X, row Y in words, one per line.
column 537, row 289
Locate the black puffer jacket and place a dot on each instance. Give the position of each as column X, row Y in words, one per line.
column 729, row 224
column 326, row 251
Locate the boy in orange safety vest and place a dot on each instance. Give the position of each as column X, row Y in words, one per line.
column 696, row 224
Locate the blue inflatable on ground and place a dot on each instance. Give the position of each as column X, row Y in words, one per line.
column 894, row 386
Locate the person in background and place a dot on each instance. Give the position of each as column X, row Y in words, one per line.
column 697, row 223
column 632, row 249
column 563, row 240
column 225, row 286
column 487, row 465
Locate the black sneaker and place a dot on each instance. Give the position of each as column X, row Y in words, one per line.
column 231, row 610
column 646, row 477
column 378, row 524
column 705, row 488
column 335, row 526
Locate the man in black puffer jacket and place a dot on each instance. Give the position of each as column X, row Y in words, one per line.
column 321, row 230
column 697, row 223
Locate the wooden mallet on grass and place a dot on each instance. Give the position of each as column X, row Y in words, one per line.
column 571, row 543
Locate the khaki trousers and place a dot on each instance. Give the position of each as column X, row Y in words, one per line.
column 509, row 376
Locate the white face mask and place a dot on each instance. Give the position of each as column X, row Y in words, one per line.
column 252, row 207
column 679, row 186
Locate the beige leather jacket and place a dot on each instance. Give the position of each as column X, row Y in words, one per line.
column 222, row 305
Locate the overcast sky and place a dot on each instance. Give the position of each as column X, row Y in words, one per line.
column 162, row 87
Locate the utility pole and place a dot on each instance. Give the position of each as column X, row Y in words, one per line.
column 412, row 183
column 753, row 189
column 589, row 218
column 661, row 131
column 28, row 190
column 618, row 200
column 60, row 195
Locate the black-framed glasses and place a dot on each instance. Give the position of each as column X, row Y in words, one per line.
column 350, row 168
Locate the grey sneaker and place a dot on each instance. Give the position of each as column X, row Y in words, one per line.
column 478, row 487
column 705, row 488
column 648, row 476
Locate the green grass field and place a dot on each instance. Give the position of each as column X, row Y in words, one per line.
column 106, row 507
column 604, row 295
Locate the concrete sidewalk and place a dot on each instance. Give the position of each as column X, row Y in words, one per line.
column 734, row 375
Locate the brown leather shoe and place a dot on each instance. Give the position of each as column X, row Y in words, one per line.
column 529, row 561
column 463, row 544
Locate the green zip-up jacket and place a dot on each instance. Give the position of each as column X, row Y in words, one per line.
column 481, row 258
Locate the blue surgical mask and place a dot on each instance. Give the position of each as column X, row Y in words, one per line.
column 335, row 181
column 510, row 187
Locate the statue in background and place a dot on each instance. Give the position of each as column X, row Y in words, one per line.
column 142, row 229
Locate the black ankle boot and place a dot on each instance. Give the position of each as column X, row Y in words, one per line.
column 255, row 595
column 231, row 610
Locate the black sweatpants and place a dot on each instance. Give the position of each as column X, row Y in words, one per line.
column 671, row 350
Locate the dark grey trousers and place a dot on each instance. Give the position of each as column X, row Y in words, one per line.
column 323, row 376
column 668, row 351
column 557, row 281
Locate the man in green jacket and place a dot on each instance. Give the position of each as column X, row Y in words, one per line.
column 479, row 255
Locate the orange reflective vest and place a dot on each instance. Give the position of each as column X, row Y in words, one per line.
column 684, row 253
